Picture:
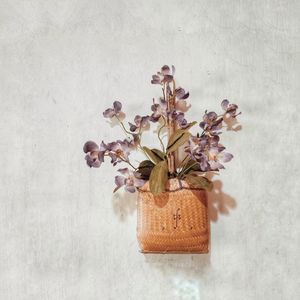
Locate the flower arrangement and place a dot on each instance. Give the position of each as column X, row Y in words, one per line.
column 203, row 152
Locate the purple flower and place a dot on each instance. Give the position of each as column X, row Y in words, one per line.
column 115, row 111
column 159, row 109
column 216, row 157
column 95, row 154
column 230, row 108
column 211, row 123
column 207, row 151
column 196, row 152
column 164, row 76
column 130, row 180
column 180, row 119
column 181, row 94
column 141, row 123
column 119, row 151
column 208, row 141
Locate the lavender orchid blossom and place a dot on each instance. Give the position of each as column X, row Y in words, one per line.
column 113, row 112
column 196, row 152
column 141, row 123
column 130, row 180
column 95, row 154
column 159, row 110
column 217, row 157
column 181, row 94
column 204, row 152
column 229, row 108
column 165, row 75
column 180, row 119
column 118, row 151
column 211, row 123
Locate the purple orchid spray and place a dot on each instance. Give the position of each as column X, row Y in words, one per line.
column 203, row 151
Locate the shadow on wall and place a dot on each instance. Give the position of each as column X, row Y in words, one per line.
column 124, row 205
column 219, row 203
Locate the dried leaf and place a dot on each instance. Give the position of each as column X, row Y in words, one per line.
column 177, row 139
column 154, row 154
column 191, row 125
column 159, row 178
column 191, row 166
column 145, row 169
column 199, row 182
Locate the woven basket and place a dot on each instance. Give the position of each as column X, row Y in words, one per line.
column 174, row 221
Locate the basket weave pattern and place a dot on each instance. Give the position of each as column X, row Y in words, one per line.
column 175, row 221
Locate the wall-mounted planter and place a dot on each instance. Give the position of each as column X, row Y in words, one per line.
column 174, row 221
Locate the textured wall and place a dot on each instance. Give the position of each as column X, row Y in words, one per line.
column 62, row 233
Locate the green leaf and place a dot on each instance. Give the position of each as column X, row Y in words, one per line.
column 191, row 166
column 177, row 139
column 145, row 169
column 154, row 154
column 159, row 178
column 199, row 182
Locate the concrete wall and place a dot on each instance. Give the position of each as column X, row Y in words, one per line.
column 63, row 235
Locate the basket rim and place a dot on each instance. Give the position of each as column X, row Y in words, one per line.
column 174, row 185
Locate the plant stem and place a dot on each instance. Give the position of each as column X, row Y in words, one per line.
column 171, row 128
column 131, row 165
column 181, row 164
column 145, row 153
column 122, row 125
column 158, row 134
column 185, row 171
column 128, row 162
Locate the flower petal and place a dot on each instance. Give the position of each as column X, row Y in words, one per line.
column 182, row 106
column 165, row 70
column 120, row 181
column 109, row 113
column 225, row 157
column 215, row 165
column 90, row 146
column 212, row 116
column 137, row 120
column 144, row 122
column 168, row 78
column 179, row 92
column 155, row 117
column 117, row 106
column 103, row 147
column 203, row 125
column 224, row 104
column 173, row 70
column 124, row 171
column 138, row 182
column 92, row 161
column 155, row 79
column 132, row 127
column 130, row 188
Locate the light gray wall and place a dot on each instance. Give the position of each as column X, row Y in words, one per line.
column 62, row 233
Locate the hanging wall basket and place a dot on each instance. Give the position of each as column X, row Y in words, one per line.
column 174, row 221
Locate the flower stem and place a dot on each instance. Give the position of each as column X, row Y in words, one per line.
column 122, row 125
column 131, row 165
column 128, row 162
column 158, row 134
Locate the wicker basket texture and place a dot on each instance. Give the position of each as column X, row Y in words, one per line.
column 174, row 221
